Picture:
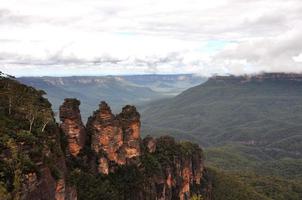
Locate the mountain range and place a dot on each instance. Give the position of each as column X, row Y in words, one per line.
column 118, row 90
column 248, row 126
column 246, row 123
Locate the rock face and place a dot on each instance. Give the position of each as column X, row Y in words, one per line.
column 50, row 182
column 183, row 173
column 72, row 125
column 168, row 170
column 61, row 162
column 115, row 139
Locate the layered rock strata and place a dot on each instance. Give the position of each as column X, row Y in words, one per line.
column 72, row 125
column 115, row 139
column 182, row 171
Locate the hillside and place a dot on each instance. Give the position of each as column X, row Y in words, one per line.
column 248, row 123
column 32, row 163
column 118, row 90
column 262, row 111
column 105, row 159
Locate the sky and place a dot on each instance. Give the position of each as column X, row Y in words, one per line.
column 101, row 37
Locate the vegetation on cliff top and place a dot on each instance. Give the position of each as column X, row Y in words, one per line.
column 27, row 131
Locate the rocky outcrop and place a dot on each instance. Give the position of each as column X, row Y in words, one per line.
column 72, row 125
column 62, row 162
column 47, row 180
column 182, row 173
column 115, row 139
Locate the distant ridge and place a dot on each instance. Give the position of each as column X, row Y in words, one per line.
column 261, row 110
column 118, row 90
column 261, row 77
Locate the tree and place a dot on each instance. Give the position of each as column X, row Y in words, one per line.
column 8, row 93
column 31, row 113
column 47, row 117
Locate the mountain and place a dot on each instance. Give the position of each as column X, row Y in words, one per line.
column 262, row 110
column 118, row 90
column 166, row 84
column 105, row 159
column 247, row 124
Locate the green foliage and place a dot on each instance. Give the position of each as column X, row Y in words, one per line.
column 227, row 187
column 26, row 136
column 21, row 147
column 236, row 158
column 151, row 165
column 93, row 187
column 189, row 149
column 128, row 180
column 219, row 112
column 273, row 187
column 55, row 173
column 248, row 127
column 123, row 184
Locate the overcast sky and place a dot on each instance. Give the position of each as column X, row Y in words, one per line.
column 97, row 37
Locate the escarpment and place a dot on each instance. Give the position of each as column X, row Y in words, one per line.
column 170, row 170
column 32, row 163
column 106, row 159
column 181, row 173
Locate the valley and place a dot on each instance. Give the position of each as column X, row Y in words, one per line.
column 248, row 128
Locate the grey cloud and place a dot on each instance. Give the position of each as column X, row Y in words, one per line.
column 8, row 17
column 267, row 38
column 58, row 59
column 272, row 55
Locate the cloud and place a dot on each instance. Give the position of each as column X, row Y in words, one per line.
column 149, row 36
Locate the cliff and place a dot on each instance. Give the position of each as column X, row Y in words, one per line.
column 115, row 139
column 106, row 159
column 180, row 171
column 162, row 168
column 72, row 125
column 32, row 163
column 260, row 77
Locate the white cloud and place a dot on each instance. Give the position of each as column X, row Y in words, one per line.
column 62, row 37
column 298, row 58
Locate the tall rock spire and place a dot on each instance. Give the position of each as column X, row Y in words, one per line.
column 72, row 125
column 115, row 139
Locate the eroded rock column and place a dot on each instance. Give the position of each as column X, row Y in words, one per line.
column 115, row 139
column 72, row 125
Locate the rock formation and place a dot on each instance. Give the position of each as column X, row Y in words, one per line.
column 59, row 161
column 50, row 180
column 72, row 125
column 115, row 139
column 183, row 173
